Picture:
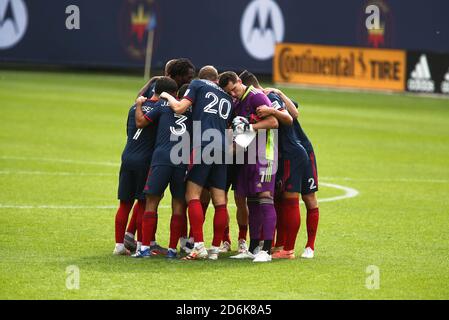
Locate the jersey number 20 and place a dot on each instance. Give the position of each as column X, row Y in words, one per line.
column 222, row 104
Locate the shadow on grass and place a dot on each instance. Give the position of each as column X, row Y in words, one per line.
column 125, row 264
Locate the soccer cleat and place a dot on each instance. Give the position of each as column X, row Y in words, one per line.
column 171, row 254
column 142, row 254
column 186, row 245
column 276, row 249
column 225, row 247
column 213, row 253
column 262, row 256
column 243, row 255
column 242, row 246
column 121, row 252
column 283, row 254
column 130, row 243
column 308, row 253
column 197, row 254
column 157, row 250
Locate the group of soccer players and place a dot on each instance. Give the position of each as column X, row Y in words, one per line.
column 277, row 166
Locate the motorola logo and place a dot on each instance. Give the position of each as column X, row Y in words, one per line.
column 261, row 27
column 13, row 22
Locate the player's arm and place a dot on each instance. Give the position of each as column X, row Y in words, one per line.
column 141, row 120
column 269, row 122
column 147, row 85
column 178, row 107
column 291, row 108
column 280, row 114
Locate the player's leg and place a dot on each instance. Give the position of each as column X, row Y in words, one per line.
column 264, row 188
column 242, row 221
column 313, row 216
column 290, row 218
column 196, row 180
column 310, row 187
column 179, row 207
column 156, row 183
column 281, row 178
column 217, row 183
column 126, row 197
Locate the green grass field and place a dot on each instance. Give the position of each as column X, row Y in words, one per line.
column 61, row 138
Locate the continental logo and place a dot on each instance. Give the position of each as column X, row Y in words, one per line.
column 339, row 66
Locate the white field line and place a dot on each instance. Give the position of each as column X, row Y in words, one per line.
column 349, row 192
column 384, row 180
column 56, row 173
column 97, row 163
column 66, row 173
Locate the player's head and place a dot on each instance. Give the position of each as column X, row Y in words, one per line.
column 166, row 84
column 183, row 90
column 208, row 73
column 168, row 66
column 182, row 71
column 249, row 79
column 231, row 83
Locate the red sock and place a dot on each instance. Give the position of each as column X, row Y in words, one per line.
column 196, row 219
column 149, row 225
column 292, row 222
column 313, row 215
column 280, row 225
column 175, row 230
column 121, row 219
column 243, row 231
column 221, row 220
column 141, row 209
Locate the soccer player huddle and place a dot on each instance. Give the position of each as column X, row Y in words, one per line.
column 201, row 137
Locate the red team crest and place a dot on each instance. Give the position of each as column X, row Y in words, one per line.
column 375, row 24
column 137, row 18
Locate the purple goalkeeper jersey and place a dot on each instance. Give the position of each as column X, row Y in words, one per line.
column 259, row 176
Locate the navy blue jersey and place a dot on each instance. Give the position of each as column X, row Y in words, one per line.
column 140, row 142
column 212, row 106
column 301, row 134
column 168, row 124
column 289, row 143
column 150, row 91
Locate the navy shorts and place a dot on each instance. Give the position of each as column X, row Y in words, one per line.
column 207, row 175
column 232, row 176
column 159, row 177
column 297, row 175
column 131, row 183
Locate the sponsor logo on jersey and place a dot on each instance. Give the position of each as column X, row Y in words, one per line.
column 421, row 79
column 261, row 27
column 13, row 22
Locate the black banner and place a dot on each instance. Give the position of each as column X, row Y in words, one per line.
column 427, row 72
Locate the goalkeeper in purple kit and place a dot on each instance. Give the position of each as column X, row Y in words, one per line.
column 256, row 180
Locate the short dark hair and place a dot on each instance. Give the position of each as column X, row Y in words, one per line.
column 165, row 84
column 249, row 79
column 180, row 67
column 226, row 77
column 183, row 90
